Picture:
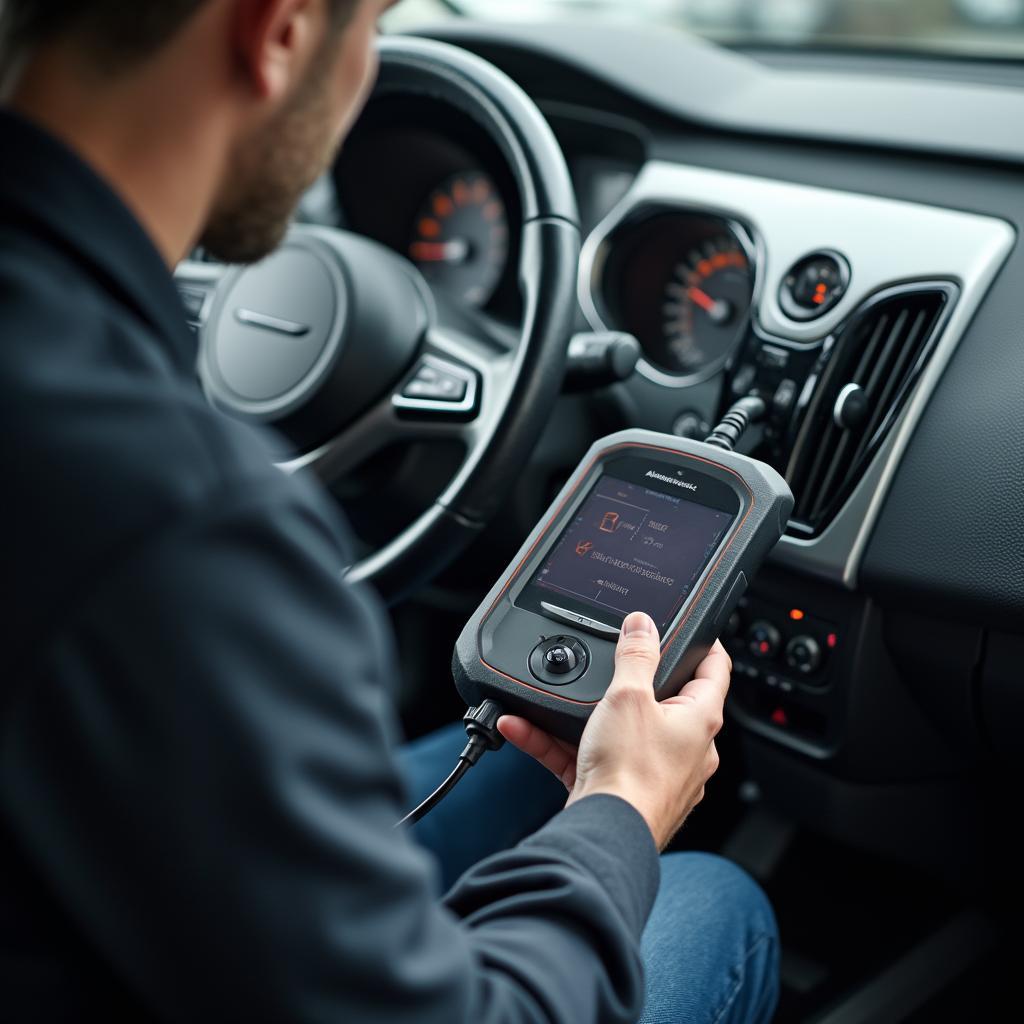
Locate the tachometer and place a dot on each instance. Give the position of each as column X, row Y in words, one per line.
column 460, row 238
column 706, row 304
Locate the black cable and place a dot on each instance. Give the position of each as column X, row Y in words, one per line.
column 438, row 795
column 482, row 729
column 746, row 411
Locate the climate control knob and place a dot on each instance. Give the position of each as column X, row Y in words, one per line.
column 803, row 654
column 763, row 639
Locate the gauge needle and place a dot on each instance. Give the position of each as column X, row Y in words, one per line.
column 718, row 310
column 454, row 251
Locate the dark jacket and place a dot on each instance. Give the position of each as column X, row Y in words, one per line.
column 197, row 788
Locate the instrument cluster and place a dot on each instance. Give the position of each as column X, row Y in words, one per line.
column 683, row 283
column 425, row 181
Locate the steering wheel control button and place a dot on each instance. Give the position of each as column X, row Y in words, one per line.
column 559, row 660
column 431, row 382
column 438, row 386
column 814, row 285
column 803, row 655
column 763, row 640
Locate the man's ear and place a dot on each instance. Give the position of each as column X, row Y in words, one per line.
column 275, row 41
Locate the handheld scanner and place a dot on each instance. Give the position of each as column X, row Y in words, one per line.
column 647, row 522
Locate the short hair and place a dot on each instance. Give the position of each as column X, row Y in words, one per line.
column 119, row 32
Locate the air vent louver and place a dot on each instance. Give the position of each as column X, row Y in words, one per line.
column 871, row 371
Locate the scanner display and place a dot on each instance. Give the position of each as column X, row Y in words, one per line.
column 631, row 548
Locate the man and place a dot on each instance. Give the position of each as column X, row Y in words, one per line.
column 197, row 783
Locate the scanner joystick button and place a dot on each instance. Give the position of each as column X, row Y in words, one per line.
column 560, row 659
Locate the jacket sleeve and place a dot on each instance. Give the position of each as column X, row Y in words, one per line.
column 201, row 769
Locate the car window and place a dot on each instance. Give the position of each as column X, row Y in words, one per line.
column 970, row 28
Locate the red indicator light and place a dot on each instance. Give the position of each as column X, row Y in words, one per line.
column 795, row 614
column 764, row 647
column 430, row 228
column 779, row 717
column 832, row 640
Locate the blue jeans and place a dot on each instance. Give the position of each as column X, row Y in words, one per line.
column 711, row 945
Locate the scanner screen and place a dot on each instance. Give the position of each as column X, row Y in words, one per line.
column 631, row 548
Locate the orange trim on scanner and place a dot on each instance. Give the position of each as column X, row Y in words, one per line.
column 558, row 512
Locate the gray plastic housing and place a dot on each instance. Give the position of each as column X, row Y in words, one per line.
column 491, row 659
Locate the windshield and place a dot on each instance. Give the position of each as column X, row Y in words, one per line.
column 981, row 28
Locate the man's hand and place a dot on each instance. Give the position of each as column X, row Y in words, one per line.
column 657, row 757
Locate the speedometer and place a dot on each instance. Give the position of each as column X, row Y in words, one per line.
column 681, row 282
column 460, row 238
column 706, row 303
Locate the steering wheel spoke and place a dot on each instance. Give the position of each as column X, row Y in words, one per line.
column 383, row 426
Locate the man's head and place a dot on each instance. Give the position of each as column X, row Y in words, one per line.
column 285, row 80
column 118, row 35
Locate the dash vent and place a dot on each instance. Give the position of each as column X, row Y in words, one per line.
column 871, row 370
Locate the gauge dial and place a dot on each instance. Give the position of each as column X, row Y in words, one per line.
column 460, row 238
column 706, row 304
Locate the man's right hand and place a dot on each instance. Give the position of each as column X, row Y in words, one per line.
column 656, row 756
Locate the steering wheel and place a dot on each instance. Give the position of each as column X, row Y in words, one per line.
column 335, row 340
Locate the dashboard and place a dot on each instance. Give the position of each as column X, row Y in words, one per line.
column 817, row 298
column 826, row 255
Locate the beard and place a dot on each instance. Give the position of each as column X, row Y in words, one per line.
column 270, row 173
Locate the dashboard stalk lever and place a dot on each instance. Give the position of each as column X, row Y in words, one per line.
column 599, row 360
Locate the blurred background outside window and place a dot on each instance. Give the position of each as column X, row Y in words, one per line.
column 978, row 28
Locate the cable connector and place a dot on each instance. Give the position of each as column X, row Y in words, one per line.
column 482, row 729
column 735, row 422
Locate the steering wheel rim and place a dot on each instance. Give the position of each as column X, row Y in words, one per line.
column 548, row 269
column 515, row 391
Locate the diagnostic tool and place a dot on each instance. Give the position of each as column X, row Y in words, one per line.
column 648, row 522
